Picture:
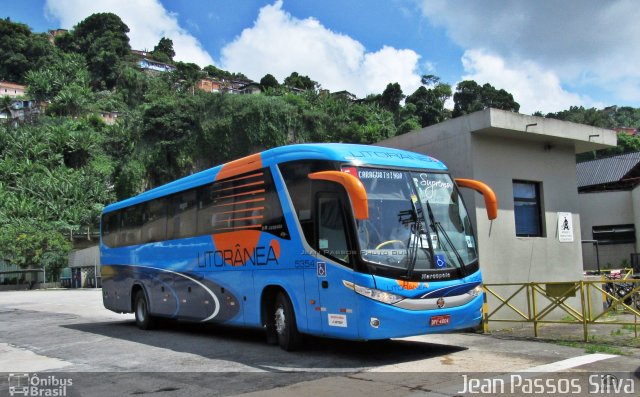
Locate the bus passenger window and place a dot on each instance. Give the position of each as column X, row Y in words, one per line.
column 131, row 225
column 182, row 215
column 111, row 229
column 155, row 221
column 332, row 238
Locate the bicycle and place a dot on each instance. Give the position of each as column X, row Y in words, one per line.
column 622, row 291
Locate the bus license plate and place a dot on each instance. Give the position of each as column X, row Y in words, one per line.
column 440, row 320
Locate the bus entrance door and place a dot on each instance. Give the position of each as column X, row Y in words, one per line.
column 337, row 301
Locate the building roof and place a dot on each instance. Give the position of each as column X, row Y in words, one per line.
column 12, row 85
column 616, row 172
column 503, row 124
column 626, row 130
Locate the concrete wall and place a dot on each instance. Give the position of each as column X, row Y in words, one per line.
column 88, row 257
column 506, row 257
column 607, row 208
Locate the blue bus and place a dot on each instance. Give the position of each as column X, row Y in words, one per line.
column 334, row 240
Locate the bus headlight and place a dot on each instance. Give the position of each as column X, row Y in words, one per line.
column 375, row 294
column 475, row 291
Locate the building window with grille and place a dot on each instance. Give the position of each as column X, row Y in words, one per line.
column 527, row 208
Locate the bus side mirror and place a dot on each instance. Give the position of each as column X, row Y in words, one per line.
column 490, row 199
column 355, row 189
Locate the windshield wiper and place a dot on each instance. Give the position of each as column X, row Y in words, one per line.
column 416, row 220
column 435, row 225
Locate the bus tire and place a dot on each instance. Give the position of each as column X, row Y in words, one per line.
column 144, row 320
column 285, row 323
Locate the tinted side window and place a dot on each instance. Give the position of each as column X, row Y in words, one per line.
column 332, row 235
column 110, row 228
column 299, row 185
column 155, row 221
column 131, row 225
column 181, row 221
column 273, row 217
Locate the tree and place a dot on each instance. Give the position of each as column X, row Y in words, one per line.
column 467, row 98
column 54, row 177
column 471, row 97
column 133, row 85
column 163, row 51
column 591, row 116
column 170, row 125
column 214, row 72
column 407, row 120
column 430, row 102
column 21, row 51
column 31, row 244
column 72, row 100
column 391, row 97
column 46, row 83
column 187, row 74
column 102, row 39
column 269, row 82
column 294, row 80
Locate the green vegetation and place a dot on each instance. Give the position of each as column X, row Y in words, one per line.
column 610, row 117
column 58, row 171
column 592, row 347
column 598, row 348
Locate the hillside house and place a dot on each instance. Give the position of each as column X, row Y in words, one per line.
column 12, row 90
column 149, row 65
column 209, row 85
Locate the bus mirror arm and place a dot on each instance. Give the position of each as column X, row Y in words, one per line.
column 355, row 189
column 490, row 199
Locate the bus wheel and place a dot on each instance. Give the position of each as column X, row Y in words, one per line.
column 285, row 323
column 143, row 318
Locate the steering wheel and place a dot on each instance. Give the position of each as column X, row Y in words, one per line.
column 382, row 244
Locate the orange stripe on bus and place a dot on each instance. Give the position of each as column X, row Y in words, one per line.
column 246, row 164
column 243, row 177
column 241, row 194
column 238, row 187
column 240, row 202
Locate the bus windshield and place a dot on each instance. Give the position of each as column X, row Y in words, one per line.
column 417, row 221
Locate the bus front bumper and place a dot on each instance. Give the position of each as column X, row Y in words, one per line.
column 384, row 321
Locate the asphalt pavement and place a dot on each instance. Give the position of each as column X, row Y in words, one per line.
column 67, row 335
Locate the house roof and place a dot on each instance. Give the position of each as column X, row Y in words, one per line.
column 616, row 172
column 12, row 85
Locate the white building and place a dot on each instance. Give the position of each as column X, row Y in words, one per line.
column 12, row 90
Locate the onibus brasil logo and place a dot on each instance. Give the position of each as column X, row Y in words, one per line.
column 21, row 384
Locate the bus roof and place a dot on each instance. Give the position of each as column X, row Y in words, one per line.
column 351, row 153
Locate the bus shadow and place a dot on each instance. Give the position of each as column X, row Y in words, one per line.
column 248, row 346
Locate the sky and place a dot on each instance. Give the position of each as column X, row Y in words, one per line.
column 549, row 54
